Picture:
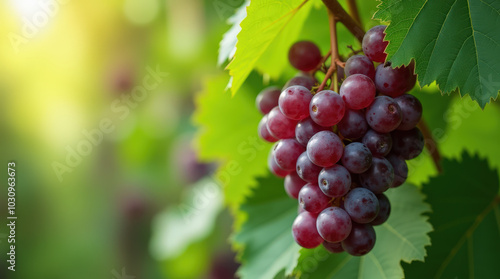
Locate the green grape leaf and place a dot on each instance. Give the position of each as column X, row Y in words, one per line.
column 402, row 238
column 228, row 134
column 268, row 22
column 466, row 218
column 227, row 46
column 454, row 42
column 266, row 235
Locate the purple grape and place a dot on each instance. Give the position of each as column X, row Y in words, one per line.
column 380, row 144
column 360, row 64
column 333, row 224
column 294, row 102
column 301, row 79
column 394, row 82
column 411, row 108
column 304, row 56
column 384, row 212
column 362, row 205
column 304, row 230
column 360, row 241
column 408, row 144
column 334, row 181
column 274, row 168
column 279, row 125
column 353, row 125
column 357, row 158
column 333, row 247
column 327, row 108
column 400, row 169
column 357, row 91
column 264, row 132
column 379, row 177
column 293, row 184
column 306, row 129
column 384, row 114
column 374, row 44
column 325, row 149
column 268, row 99
column 312, row 199
column 306, row 169
column 286, row 153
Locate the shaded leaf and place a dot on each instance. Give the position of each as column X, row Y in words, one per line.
column 466, row 218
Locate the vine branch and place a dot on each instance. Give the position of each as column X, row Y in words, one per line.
column 342, row 16
column 353, row 10
column 431, row 145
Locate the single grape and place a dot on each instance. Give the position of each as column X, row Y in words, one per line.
column 353, row 126
column 360, row 241
column 333, row 247
column 411, row 108
column 362, row 205
column 379, row 177
column 380, row 144
column 304, row 230
column 384, row 212
column 267, row 99
column 400, row 169
column 333, row 224
column 301, row 79
column 325, row 149
column 327, row 108
column 279, row 125
column 293, row 184
column 264, row 132
column 294, row 102
column 274, row 168
column 334, row 181
column 357, row 158
column 360, row 64
column 408, row 144
column 384, row 114
column 306, row 129
column 357, row 91
column 312, row 199
column 304, row 56
column 394, row 82
column 286, row 153
column 374, row 44
column 306, row 169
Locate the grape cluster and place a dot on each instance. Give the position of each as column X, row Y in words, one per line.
column 339, row 153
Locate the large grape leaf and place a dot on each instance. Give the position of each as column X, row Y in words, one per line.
column 266, row 236
column 228, row 134
column 466, row 218
column 267, row 21
column 454, row 42
column 402, row 238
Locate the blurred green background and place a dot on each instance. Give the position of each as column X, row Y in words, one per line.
column 96, row 110
column 114, row 204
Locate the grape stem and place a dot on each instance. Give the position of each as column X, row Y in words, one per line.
column 334, row 85
column 341, row 15
column 431, row 145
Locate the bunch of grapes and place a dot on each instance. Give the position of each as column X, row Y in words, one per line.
column 339, row 153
